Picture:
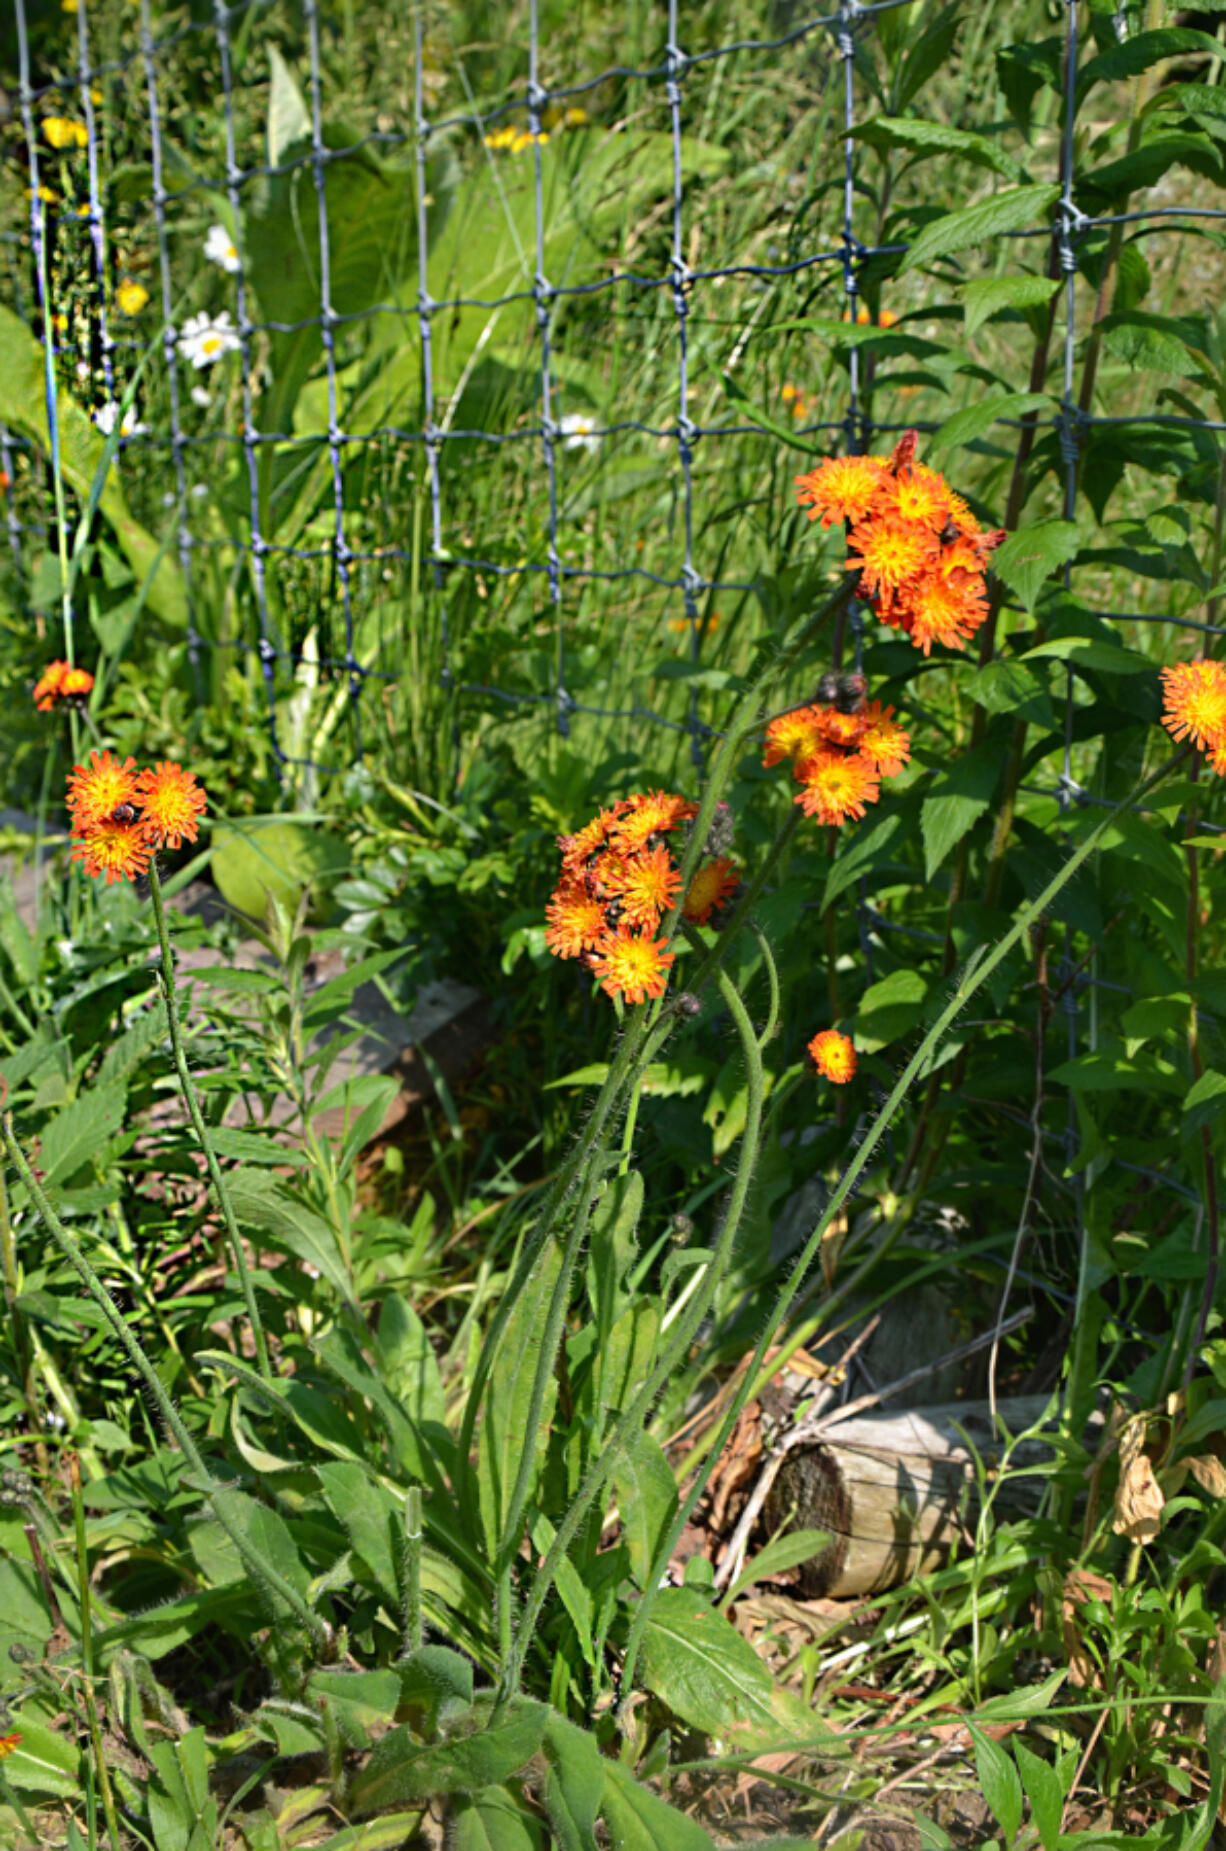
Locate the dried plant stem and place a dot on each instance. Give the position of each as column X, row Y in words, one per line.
column 201, row 1128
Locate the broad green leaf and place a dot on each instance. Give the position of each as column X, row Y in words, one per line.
column 504, row 1421
column 437, row 1683
column 267, row 1535
column 889, row 1009
column 1012, row 210
column 1205, row 1101
column 573, row 1591
column 1112, row 1073
column 15, row 937
column 865, row 849
column 1139, row 53
column 957, row 798
column 78, row 1132
column 270, row 856
column 264, row 1206
column 884, row 341
column 401, row 1770
column 1150, row 342
column 359, row 1701
column 1023, row 70
column 1091, row 653
column 919, row 135
column 646, row 1499
column 998, row 1780
column 1026, row 560
column 43, row 1761
column 289, row 119
column 182, row 1811
column 785, row 1552
column 574, row 1784
column 1045, row 1791
column 164, row 1628
column 623, row 1361
column 929, row 54
column 388, row 1834
column 1145, row 166
column 1006, row 685
column 493, row 1820
column 611, row 1251
column 638, row 1821
column 406, row 1360
column 80, row 448
column 1021, row 1704
column 973, row 420
column 696, row 1662
column 987, row 296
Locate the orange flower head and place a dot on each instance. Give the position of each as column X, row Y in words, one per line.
column 76, row 684
column 644, row 885
column 49, row 687
column 1216, row 760
column 1194, row 703
column 892, row 551
column 841, row 729
column 635, row 968
column 649, row 814
column 792, row 735
column 576, row 920
column 836, row 785
column 842, row 488
column 883, row 741
column 833, row 1055
column 9, row 1745
column 173, row 804
column 119, row 850
column 917, row 494
column 713, row 885
column 96, row 790
column 577, row 849
column 946, row 610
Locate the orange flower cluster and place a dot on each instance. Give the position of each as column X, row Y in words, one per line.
column 840, row 756
column 1194, row 707
column 619, row 879
column 919, row 550
column 122, row 814
column 833, row 1055
column 9, row 1744
column 60, row 681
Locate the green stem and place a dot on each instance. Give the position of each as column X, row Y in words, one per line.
column 262, row 1571
column 411, row 1636
column 22, row 1347
column 87, row 1660
column 200, row 1127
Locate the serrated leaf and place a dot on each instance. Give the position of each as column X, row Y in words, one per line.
column 889, row 1009
column 929, row 54
column 1026, row 560
column 266, row 1208
column 1139, row 53
column 1012, row 210
column 865, row 849
column 1006, row 685
column 973, row 420
column 78, row 1132
column 986, row 296
column 957, row 798
column 1153, row 343
column 918, row 135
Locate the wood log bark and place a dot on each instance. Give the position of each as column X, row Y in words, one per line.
column 896, row 1490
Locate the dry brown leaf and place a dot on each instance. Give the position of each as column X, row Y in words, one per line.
column 773, row 1763
column 1139, row 1502
column 1210, row 1474
column 1080, row 1585
column 737, row 1467
column 832, row 1246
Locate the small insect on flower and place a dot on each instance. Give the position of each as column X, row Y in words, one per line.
column 1194, row 703
column 172, row 804
column 833, row 1056
column 844, row 690
column 96, row 790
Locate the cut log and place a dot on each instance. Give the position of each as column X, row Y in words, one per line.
column 896, row 1490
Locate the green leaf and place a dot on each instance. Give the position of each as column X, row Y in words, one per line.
column 289, row 119
column 264, row 857
column 696, row 1662
column 928, row 55
column 406, row 1360
column 504, row 1421
column 1006, row 685
column 1112, row 1073
column 1151, row 343
column 493, row 1820
column 889, row 1009
column 1205, row 1101
column 78, row 1132
column 437, row 1683
column 638, row 1821
column 921, row 136
column 611, row 1253
column 268, row 1209
column 81, row 448
column 574, row 1784
column 1026, row 560
column 882, row 341
column 359, row 1701
column 1011, row 210
column 1139, row 53
column 388, row 1834
column 646, row 1498
column 865, row 849
column 987, row 296
column 973, row 420
column 43, row 1762
column 267, row 1535
column 1023, row 70
column 785, row 1552
column 15, row 938
column 1045, row 1791
column 401, row 1770
column 182, row 1812
column 1091, row 653
column 957, row 798
column 998, row 1780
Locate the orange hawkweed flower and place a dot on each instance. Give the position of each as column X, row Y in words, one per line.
column 119, row 850
column 648, row 815
column 937, row 609
column 76, row 683
column 9, row 1744
column 1194, row 703
column 172, row 804
column 577, row 849
column 792, row 734
column 714, row 884
column 833, row 1055
column 644, row 886
column 49, row 686
column 891, row 552
column 917, row 494
column 634, row 968
column 842, row 488
column 576, row 920
column 836, row 785
column 96, row 790
column 841, row 729
column 883, row 741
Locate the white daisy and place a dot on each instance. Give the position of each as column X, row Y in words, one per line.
column 219, row 249
column 579, row 432
column 105, row 419
column 206, row 338
column 201, row 397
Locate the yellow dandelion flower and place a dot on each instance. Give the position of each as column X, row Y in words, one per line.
column 63, row 132
column 131, row 297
